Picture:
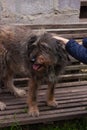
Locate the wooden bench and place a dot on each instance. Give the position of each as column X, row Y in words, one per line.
column 70, row 92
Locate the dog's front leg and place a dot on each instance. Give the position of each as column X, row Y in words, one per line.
column 8, row 82
column 32, row 97
column 50, row 95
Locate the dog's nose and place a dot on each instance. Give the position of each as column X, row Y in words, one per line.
column 33, row 59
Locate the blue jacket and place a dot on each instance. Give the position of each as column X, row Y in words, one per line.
column 77, row 51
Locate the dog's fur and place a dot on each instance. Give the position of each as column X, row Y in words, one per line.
column 41, row 57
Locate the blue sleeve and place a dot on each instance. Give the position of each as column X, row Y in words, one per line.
column 77, row 51
column 84, row 42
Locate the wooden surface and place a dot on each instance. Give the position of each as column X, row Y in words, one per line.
column 71, row 98
column 70, row 92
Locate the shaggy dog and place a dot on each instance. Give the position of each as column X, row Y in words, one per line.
column 40, row 56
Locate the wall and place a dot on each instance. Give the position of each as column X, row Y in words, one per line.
column 39, row 11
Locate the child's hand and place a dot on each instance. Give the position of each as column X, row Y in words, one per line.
column 64, row 40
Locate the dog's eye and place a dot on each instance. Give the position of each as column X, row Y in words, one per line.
column 32, row 39
column 30, row 49
column 45, row 48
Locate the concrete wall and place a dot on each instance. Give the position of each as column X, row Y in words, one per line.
column 39, row 11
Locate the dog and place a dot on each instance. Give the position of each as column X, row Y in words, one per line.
column 12, row 59
column 39, row 56
column 47, row 61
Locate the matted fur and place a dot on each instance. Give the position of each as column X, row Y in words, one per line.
column 39, row 56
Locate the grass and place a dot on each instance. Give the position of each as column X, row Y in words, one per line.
column 80, row 124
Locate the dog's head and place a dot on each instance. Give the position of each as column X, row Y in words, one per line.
column 45, row 51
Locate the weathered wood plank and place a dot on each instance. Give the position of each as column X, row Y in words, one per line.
column 65, row 76
column 52, row 26
column 45, row 116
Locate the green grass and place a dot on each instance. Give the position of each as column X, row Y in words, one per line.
column 80, row 124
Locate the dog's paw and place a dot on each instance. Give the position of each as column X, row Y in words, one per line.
column 52, row 103
column 34, row 112
column 2, row 106
column 19, row 92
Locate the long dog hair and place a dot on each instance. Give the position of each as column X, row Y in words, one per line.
column 40, row 56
